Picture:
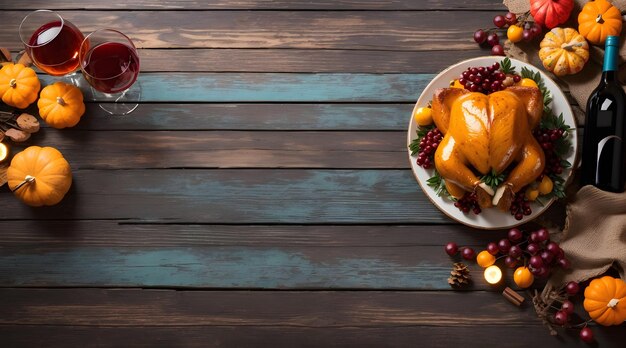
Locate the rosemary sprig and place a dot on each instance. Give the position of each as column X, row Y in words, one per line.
column 506, row 66
column 437, row 183
column 494, row 179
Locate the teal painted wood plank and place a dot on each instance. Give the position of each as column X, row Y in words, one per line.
column 276, row 87
column 232, row 267
column 256, row 117
column 238, row 196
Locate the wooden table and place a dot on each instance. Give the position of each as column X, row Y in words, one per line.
column 261, row 193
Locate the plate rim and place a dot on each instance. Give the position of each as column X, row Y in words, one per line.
column 569, row 171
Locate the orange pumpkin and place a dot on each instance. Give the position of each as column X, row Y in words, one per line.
column 19, row 85
column 599, row 19
column 605, row 300
column 39, row 176
column 563, row 51
column 61, row 105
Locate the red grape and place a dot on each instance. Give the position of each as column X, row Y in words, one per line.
column 553, row 248
column 510, row 262
column 567, row 307
column 542, row 235
column 497, row 50
column 534, row 237
column 560, row 317
column 547, row 257
column 499, row 21
column 452, row 248
column 468, row 253
column 527, row 35
column 564, row 263
column 493, row 39
column 480, row 36
column 586, row 335
column 510, row 18
column 572, row 288
column 492, row 248
column 515, row 251
column 515, row 235
column 535, row 261
column 533, row 248
column 535, row 30
column 504, row 245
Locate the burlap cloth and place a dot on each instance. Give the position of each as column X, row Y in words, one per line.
column 594, row 234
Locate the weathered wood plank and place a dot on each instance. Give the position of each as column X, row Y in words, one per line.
column 368, row 30
column 111, row 254
column 150, row 318
column 472, row 335
column 228, row 149
column 313, row 309
column 273, row 267
column 257, row 117
column 28, row 234
column 256, row 5
column 242, row 196
column 301, row 60
column 275, row 87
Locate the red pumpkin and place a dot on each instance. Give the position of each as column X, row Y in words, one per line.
column 551, row 13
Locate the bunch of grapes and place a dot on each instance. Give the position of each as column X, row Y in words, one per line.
column 547, row 139
column 533, row 249
column 520, row 206
column 428, row 145
column 486, row 79
column 468, row 202
column 517, row 29
column 561, row 316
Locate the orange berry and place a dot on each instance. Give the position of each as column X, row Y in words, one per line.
column 515, row 33
column 523, row 278
column 485, row 259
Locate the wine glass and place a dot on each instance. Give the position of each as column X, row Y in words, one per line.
column 51, row 41
column 110, row 64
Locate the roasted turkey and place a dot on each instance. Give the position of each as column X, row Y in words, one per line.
column 488, row 133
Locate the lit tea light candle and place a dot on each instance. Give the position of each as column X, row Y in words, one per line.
column 493, row 274
column 4, row 152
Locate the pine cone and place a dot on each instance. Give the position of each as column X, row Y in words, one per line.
column 459, row 276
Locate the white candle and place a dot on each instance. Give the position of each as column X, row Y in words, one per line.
column 493, row 274
column 4, row 152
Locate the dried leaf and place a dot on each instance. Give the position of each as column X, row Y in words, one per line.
column 28, row 123
column 17, row 135
column 5, row 55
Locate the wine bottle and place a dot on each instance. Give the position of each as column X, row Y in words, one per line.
column 604, row 143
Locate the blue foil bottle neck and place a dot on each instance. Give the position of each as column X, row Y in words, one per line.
column 611, row 54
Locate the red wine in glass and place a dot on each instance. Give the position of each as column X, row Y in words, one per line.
column 111, row 67
column 54, row 47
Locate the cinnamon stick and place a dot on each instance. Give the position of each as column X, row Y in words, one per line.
column 513, row 296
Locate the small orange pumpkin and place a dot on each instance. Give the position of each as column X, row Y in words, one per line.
column 605, row 300
column 61, row 105
column 599, row 19
column 19, row 85
column 39, row 176
column 564, row 51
